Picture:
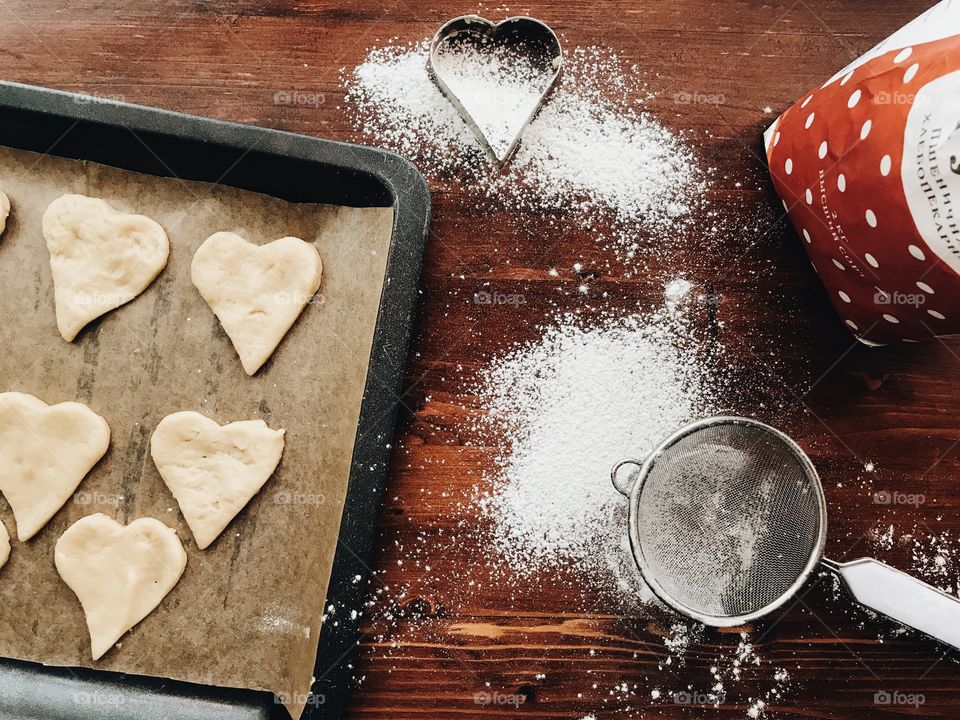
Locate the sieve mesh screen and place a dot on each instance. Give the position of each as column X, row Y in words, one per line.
column 728, row 519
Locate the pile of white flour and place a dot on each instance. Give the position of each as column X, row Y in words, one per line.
column 564, row 409
column 499, row 85
column 592, row 155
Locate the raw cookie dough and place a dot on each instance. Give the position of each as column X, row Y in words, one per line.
column 213, row 470
column 101, row 258
column 256, row 291
column 119, row 573
column 45, row 451
column 4, row 211
column 4, row 545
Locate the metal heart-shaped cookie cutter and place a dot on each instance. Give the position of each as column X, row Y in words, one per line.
column 530, row 32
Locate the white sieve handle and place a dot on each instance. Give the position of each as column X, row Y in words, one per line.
column 901, row 597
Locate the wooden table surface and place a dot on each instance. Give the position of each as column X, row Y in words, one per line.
column 432, row 642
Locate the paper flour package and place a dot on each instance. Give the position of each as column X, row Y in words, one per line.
column 868, row 166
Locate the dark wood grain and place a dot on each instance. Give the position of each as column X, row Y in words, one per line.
column 431, row 641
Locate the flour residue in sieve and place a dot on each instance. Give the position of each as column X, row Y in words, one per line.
column 706, row 541
column 593, row 155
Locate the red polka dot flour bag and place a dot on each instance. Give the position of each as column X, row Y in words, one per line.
column 868, row 166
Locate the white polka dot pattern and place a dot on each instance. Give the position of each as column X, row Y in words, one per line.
column 840, row 151
column 902, row 55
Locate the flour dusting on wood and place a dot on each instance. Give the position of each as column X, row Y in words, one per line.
column 593, row 154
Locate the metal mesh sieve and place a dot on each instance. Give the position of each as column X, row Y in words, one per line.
column 727, row 520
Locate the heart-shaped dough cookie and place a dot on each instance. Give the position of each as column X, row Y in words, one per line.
column 45, row 451
column 4, row 545
column 119, row 573
column 256, row 291
column 213, row 470
column 101, row 258
column 4, row 211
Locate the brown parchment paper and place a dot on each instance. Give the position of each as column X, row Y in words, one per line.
column 247, row 611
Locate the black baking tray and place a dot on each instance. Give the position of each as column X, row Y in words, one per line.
column 292, row 167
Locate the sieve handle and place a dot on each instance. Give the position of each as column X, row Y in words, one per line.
column 623, row 489
column 901, row 597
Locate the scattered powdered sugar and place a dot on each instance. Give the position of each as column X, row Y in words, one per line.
column 583, row 150
column 592, row 155
column 570, row 405
column 680, row 637
column 934, row 556
column 727, row 672
column 884, row 538
column 675, row 291
column 396, row 104
column 744, row 655
column 498, row 84
column 779, row 689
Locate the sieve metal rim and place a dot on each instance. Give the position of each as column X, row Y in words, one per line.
column 634, row 530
